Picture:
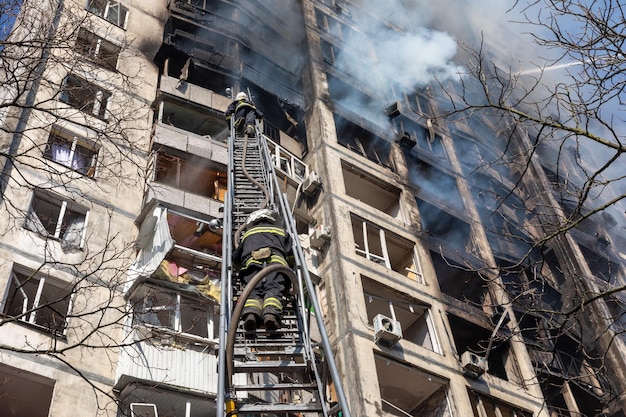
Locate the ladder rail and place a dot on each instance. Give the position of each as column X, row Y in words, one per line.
column 226, row 282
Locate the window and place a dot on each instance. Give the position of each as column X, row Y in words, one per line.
column 399, row 397
column 97, row 49
column 55, row 218
column 85, row 96
column 386, row 249
column 174, row 312
column 193, row 175
column 112, row 11
column 38, row 300
column 484, row 406
column 72, row 153
column 20, row 387
column 411, row 314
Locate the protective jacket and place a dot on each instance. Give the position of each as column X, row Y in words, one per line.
column 259, row 236
column 243, row 111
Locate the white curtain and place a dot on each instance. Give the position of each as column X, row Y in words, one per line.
column 61, row 153
column 73, row 233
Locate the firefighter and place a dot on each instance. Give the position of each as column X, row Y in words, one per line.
column 244, row 113
column 262, row 244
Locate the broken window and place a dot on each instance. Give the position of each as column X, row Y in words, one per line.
column 444, row 229
column 196, row 175
column 112, row 11
column 413, row 316
column 459, row 282
column 531, row 285
column 172, row 311
column 424, row 136
column 372, row 191
column 20, row 388
column 53, row 217
column 434, row 183
column 38, row 300
column 386, row 249
column 97, row 49
column 363, row 142
column 478, row 340
column 484, row 406
column 191, row 118
column 85, row 96
column 399, row 396
column 72, row 152
column 601, row 266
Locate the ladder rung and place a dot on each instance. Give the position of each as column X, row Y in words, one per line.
column 279, row 386
column 282, row 408
column 269, row 366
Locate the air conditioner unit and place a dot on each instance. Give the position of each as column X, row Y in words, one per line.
column 386, row 330
column 320, row 236
column 311, row 184
column 143, row 410
column 473, row 364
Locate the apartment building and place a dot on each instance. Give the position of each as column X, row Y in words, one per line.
column 111, row 261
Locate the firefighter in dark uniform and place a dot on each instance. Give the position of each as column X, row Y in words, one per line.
column 244, row 113
column 262, row 244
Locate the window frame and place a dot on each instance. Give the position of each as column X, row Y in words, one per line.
column 97, row 98
column 97, row 49
column 96, row 7
column 64, row 206
column 179, row 304
column 30, row 308
column 75, row 142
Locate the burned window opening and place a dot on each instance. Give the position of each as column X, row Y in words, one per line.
column 385, row 248
column 602, row 267
column 476, row 339
column 531, row 285
column 444, row 229
column 195, row 175
column 195, row 119
column 362, row 142
column 434, row 183
column 372, row 192
column 279, row 114
column 411, row 314
column 398, row 381
column 458, row 281
column 425, row 138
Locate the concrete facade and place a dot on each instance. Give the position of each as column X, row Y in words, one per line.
column 410, row 217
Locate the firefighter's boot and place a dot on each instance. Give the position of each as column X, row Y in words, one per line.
column 250, row 131
column 251, row 314
column 272, row 309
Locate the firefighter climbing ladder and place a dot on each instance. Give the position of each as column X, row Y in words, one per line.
column 281, row 373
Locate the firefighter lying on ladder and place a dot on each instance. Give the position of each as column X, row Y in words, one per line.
column 262, row 244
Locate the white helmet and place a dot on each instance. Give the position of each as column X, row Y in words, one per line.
column 263, row 214
column 241, row 96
